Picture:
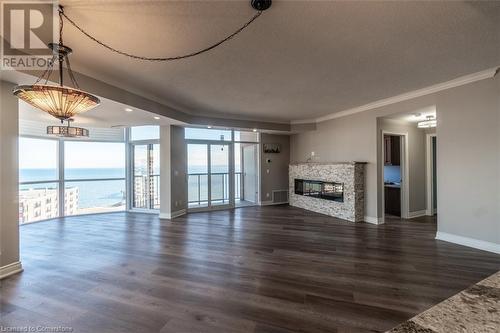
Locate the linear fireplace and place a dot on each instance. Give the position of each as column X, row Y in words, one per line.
column 319, row 189
column 331, row 188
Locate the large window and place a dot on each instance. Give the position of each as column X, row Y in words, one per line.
column 207, row 134
column 139, row 133
column 38, row 177
column 144, row 151
column 222, row 168
column 93, row 182
column 94, row 174
column 37, row 160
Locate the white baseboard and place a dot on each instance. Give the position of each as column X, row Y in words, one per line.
column 10, row 269
column 431, row 212
column 373, row 220
column 169, row 216
column 417, row 213
column 470, row 242
column 270, row 203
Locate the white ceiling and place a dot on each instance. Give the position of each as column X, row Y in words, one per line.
column 107, row 114
column 299, row 60
column 415, row 116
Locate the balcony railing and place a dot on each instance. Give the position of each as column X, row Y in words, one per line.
column 141, row 189
column 198, row 188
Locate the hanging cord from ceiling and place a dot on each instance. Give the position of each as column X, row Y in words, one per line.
column 189, row 55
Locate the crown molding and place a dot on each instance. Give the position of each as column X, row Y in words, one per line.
column 460, row 81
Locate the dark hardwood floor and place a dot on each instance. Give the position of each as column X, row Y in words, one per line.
column 260, row 269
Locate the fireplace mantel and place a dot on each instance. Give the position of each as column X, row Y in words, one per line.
column 349, row 174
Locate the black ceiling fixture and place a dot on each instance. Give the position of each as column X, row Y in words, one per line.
column 258, row 5
column 261, row 4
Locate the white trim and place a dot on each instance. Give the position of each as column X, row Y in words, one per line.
column 271, row 203
column 143, row 211
column 470, row 242
column 10, row 269
column 429, row 175
column 417, row 213
column 169, row 216
column 373, row 220
column 460, row 81
column 405, row 174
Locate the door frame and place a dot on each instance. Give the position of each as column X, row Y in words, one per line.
column 429, row 175
column 209, row 206
column 404, row 163
column 131, row 174
column 256, row 148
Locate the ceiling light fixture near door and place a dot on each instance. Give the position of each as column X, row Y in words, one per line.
column 60, row 101
column 68, row 131
column 430, row 122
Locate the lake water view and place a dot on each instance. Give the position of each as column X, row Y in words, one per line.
column 111, row 193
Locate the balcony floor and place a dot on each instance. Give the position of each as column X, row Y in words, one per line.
column 259, row 269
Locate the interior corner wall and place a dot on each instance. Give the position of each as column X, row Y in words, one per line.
column 416, row 160
column 468, row 161
column 9, row 205
column 178, row 165
column 355, row 138
column 273, row 174
column 468, row 155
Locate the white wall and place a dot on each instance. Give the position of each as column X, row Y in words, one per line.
column 9, row 206
column 468, row 161
column 277, row 177
column 468, row 155
column 354, row 138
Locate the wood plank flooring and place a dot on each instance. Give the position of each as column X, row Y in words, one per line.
column 258, row 269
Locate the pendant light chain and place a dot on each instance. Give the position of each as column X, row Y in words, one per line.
column 157, row 59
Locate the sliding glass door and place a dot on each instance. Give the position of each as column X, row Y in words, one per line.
column 209, row 175
column 146, row 179
column 197, row 161
column 219, row 174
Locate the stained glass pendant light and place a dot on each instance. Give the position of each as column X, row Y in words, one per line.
column 60, row 101
column 68, row 131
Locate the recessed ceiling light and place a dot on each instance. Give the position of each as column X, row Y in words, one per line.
column 157, row 118
column 128, row 109
column 255, row 130
column 209, row 126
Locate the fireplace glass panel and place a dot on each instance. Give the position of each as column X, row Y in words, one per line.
column 319, row 189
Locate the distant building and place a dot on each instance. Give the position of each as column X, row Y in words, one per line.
column 41, row 204
column 141, row 189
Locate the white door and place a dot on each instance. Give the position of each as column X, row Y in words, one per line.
column 250, row 173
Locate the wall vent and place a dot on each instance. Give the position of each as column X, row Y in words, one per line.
column 280, row 196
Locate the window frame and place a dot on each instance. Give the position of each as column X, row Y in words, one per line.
column 61, row 181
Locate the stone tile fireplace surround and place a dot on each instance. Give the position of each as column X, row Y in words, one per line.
column 350, row 174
